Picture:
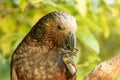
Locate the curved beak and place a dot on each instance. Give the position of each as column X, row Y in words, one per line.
column 71, row 41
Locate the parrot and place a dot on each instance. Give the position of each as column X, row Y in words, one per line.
column 46, row 52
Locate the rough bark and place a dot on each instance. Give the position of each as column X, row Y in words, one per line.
column 107, row 70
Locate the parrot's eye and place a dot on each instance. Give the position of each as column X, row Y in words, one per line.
column 60, row 27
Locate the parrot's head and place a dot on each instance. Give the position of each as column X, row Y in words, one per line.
column 57, row 27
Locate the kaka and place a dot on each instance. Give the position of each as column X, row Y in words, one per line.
column 46, row 53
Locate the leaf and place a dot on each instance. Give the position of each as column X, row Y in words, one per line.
column 105, row 25
column 88, row 39
column 50, row 2
column 23, row 4
column 82, row 7
column 91, row 24
column 6, row 43
column 35, row 1
column 7, row 24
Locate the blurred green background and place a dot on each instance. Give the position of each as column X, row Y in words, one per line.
column 98, row 31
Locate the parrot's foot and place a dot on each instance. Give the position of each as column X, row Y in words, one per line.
column 67, row 57
column 69, row 53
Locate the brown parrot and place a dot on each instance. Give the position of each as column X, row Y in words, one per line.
column 46, row 53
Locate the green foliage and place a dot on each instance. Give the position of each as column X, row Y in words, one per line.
column 98, row 35
column 4, row 69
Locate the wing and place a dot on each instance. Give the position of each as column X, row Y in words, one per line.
column 31, row 63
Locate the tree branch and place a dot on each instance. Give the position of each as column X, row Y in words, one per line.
column 107, row 70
